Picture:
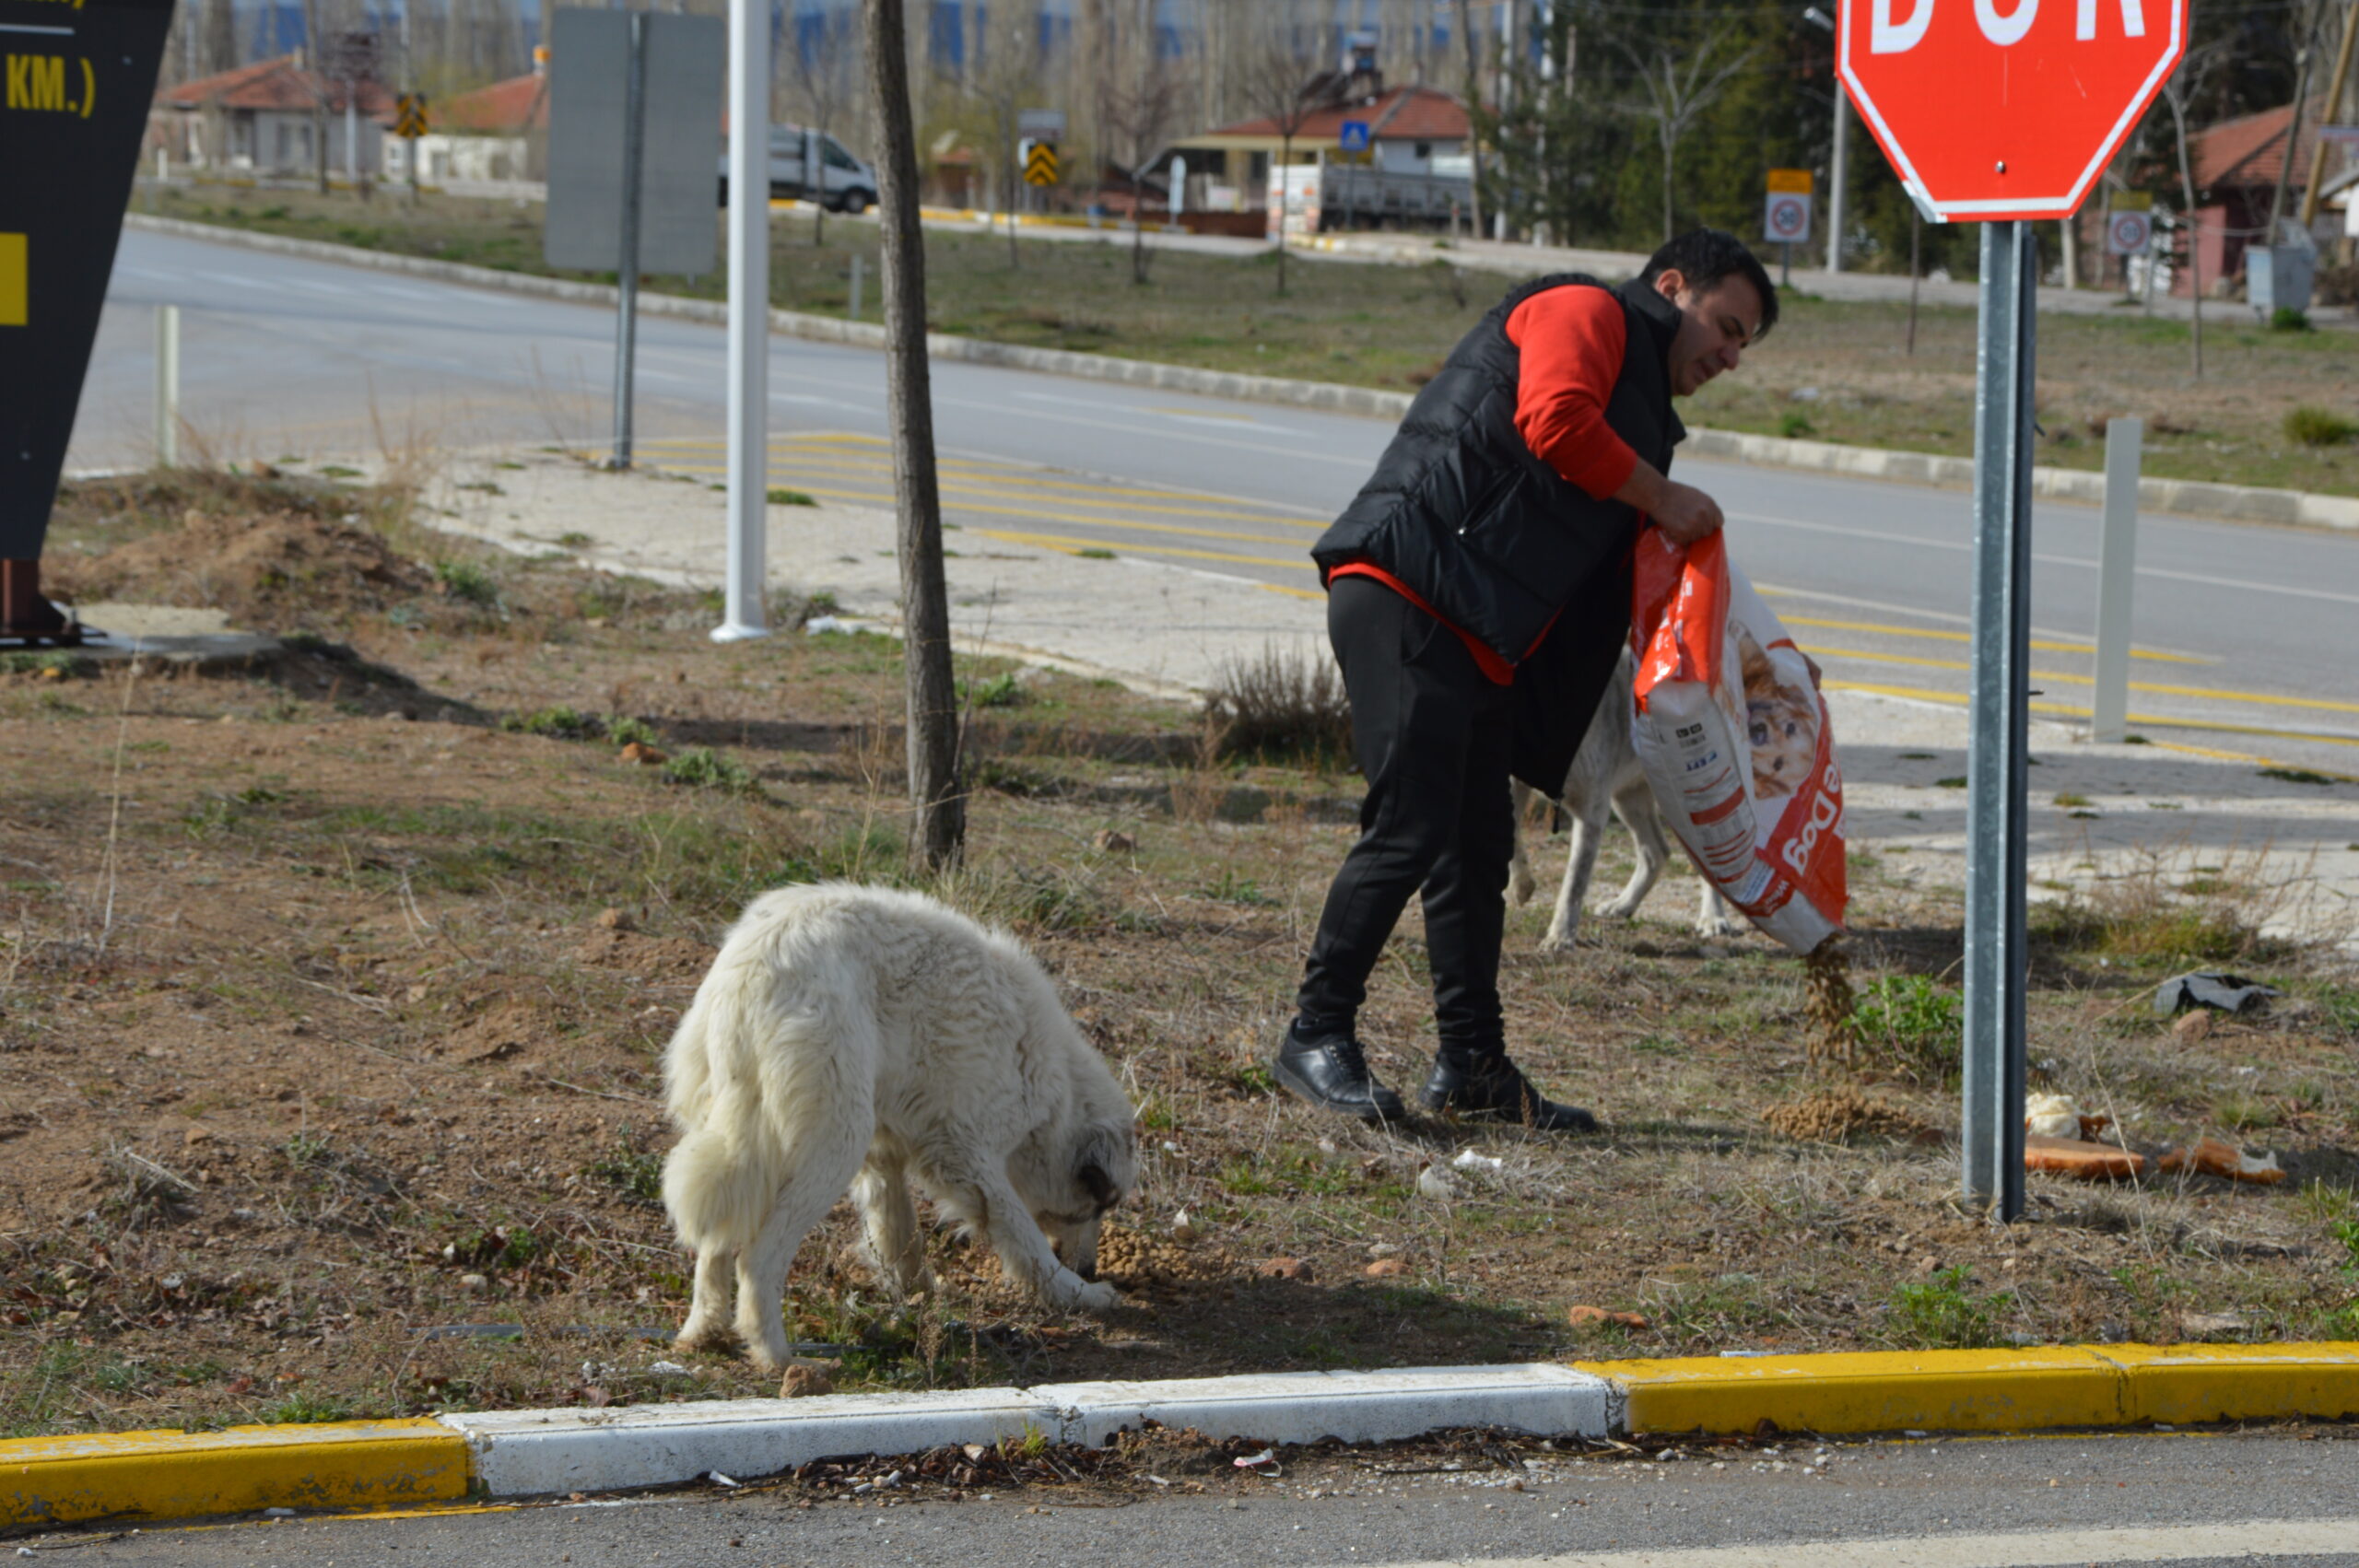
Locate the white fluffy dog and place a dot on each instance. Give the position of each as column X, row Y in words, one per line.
column 852, row 1038
column 1605, row 778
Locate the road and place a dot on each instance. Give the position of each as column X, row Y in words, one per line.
column 2246, row 633
column 1941, row 1503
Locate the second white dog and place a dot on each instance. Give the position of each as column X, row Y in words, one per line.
column 1605, row 778
column 852, row 1036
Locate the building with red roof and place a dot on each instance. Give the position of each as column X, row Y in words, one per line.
column 263, row 119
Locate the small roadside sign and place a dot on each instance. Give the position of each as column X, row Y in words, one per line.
column 1041, row 163
column 1784, row 213
column 409, row 116
column 1354, row 136
column 1048, row 124
column 2128, row 231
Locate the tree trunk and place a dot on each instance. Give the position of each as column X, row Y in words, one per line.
column 935, row 799
column 816, row 189
column 1138, row 230
column 2194, row 235
column 1473, row 103
column 1285, row 158
column 314, row 62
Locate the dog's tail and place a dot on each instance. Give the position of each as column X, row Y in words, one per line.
column 761, row 1087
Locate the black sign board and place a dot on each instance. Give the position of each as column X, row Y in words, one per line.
column 76, row 78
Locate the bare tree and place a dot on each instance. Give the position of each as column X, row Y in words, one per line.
column 1680, row 85
column 2185, row 84
column 819, row 60
column 1273, row 80
column 315, row 61
column 935, row 797
column 1474, row 111
column 1138, row 103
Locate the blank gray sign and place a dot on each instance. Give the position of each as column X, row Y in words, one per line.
column 588, row 79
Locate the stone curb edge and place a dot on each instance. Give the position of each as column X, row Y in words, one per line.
column 51, row 1481
column 2237, row 503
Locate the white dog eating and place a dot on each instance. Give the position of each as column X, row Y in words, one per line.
column 854, row 1037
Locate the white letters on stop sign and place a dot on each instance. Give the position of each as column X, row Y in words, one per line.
column 1888, row 37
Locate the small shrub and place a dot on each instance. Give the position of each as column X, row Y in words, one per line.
column 623, row 731
column 1794, row 425
column 303, row 1407
column 2309, row 427
column 637, row 1175
column 2285, row 318
column 559, row 723
column 701, row 767
column 1939, row 1315
column 1279, row 704
column 467, row 582
column 1911, row 1021
column 1002, row 690
column 780, row 496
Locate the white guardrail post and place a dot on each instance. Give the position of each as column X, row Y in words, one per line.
column 2117, row 579
column 168, row 386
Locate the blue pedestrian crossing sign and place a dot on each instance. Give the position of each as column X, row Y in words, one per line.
column 1354, row 135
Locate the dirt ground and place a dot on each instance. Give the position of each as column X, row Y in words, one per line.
column 335, row 989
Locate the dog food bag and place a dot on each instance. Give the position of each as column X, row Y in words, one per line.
column 1735, row 741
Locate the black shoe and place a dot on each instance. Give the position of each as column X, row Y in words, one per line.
column 1326, row 1067
column 1494, row 1086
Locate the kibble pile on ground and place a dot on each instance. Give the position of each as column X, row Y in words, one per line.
column 333, row 989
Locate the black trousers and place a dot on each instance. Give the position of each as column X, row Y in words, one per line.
column 1434, row 737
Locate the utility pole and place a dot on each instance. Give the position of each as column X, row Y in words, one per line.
column 2333, row 107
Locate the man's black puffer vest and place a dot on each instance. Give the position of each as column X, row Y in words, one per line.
column 1466, row 516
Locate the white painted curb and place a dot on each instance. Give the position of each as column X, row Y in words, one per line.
column 2235, row 503
column 532, row 1453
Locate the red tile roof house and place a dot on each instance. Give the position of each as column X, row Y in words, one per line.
column 1411, row 130
column 2235, row 165
column 500, row 131
column 260, row 119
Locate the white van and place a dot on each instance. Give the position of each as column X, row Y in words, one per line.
column 846, row 184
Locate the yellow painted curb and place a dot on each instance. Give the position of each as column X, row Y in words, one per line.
column 174, row 1475
column 2178, row 1384
column 1986, row 1390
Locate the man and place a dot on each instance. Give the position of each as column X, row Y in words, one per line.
column 1478, row 597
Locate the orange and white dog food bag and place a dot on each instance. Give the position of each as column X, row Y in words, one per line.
column 1734, row 738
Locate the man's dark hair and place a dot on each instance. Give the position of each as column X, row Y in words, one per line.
column 1705, row 256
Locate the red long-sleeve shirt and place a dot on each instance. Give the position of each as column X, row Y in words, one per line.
column 1571, row 341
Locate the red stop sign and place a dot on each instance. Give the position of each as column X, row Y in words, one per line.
column 2003, row 109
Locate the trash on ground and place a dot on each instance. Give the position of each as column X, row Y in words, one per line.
column 645, row 755
column 474, row 1331
column 2059, row 1116
column 1468, row 1160
column 2212, row 1157
column 1385, row 1269
column 1296, row 1268
column 1264, row 1463
column 2080, row 1159
column 1579, row 1315
column 1435, row 1183
column 820, row 625
column 2198, row 1324
column 2210, row 987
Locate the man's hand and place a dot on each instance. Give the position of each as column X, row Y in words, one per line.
column 1685, row 514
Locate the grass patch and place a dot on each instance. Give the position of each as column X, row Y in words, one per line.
column 2308, row 427
column 1911, row 1022
column 779, row 495
column 701, row 767
column 1944, row 1313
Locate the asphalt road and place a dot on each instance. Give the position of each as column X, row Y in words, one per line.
column 2247, row 634
column 2186, row 1499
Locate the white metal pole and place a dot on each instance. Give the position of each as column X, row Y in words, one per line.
column 2116, row 575
column 168, row 386
column 1835, row 179
column 746, row 614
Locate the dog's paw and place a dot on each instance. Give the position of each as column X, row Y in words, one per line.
column 1520, row 887
column 706, row 1337
column 1717, row 925
column 1559, row 942
column 1095, row 1298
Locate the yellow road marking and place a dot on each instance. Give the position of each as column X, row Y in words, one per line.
column 1005, row 480
column 1075, row 546
column 1296, row 592
column 2152, row 720
column 2214, row 693
column 1929, row 635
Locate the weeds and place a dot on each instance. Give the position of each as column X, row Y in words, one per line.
column 2309, row 427
column 469, row 583
column 1002, row 690
column 1939, row 1314
column 1282, row 705
column 701, row 767
column 558, row 723
column 1912, row 1021
column 636, row 1174
column 625, row 730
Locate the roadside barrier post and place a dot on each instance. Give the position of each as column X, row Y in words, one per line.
column 627, row 274
column 1996, row 758
column 857, row 259
column 168, row 386
column 2117, row 574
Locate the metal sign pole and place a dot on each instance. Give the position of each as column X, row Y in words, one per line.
column 627, row 266
column 1996, row 955
column 746, row 613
